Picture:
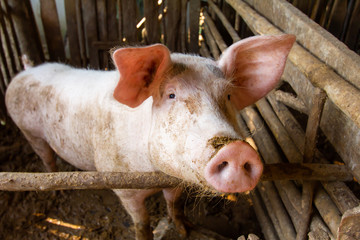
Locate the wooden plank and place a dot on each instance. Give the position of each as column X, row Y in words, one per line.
column 194, row 13
column 354, row 27
column 50, row 20
column 312, row 36
column 129, row 18
column 101, row 9
column 102, row 19
column 183, row 32
column 302, row 67
column 152, row 24
column 172, row 24
column 112, row 22
column 26, row 30
column 91, row 33
column 72, row 32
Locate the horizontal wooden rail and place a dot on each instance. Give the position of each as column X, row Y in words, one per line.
column 20, row 181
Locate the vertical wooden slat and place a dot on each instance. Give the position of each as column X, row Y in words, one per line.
column 6, row 49
column 91, row 33
column 81, row 32
column 52, row 31
column 13, row 39
column 129, row 18
column 120, row 17
column 152, row 23
column 4, row 70
column 112, row 23
column 353, row 34
column 26, row 30
column 72, row 32
column 173, row 19
column 183, row 33
column 102, row 28
column 194, row 8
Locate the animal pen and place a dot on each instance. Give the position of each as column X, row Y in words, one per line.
column 307, row 131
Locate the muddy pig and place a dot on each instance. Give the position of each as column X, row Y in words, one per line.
column 174, row 113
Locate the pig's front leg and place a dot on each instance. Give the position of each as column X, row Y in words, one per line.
column 134, row 203
column 175, row 210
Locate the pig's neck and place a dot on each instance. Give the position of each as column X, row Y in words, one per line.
column 122, row 134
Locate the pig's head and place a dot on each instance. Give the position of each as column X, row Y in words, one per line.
column 194, row 134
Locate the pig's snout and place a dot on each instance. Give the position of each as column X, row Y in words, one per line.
column 235, row 168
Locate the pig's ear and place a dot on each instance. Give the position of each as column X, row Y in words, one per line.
column 141, row 70
column 255, row 65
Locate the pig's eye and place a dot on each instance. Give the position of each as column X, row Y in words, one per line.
column 171, row 95
column 229, row 97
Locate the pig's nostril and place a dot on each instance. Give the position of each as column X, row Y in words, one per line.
column 247, row 167
column 222, row 166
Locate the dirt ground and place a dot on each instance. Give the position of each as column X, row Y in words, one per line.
column 98, row 214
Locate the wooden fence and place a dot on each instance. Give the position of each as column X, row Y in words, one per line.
column 320, row 94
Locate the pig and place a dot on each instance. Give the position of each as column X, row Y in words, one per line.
column 172, row 113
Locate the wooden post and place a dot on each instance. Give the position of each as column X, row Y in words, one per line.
column 129, row 21
column 90, row 27
column 194, row 12
column 50, row 20
column 172, row 23
column 72, row 32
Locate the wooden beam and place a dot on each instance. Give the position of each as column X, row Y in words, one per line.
column 91, row 33
column 50, row 20
column 72, row 32
column 216, row 34
column 194, row 13
column 11, row 181
column 312, row 36
column 152, row 24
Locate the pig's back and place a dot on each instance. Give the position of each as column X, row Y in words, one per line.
column 64, row 106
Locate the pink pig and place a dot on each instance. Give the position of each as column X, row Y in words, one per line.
column 173, row 113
